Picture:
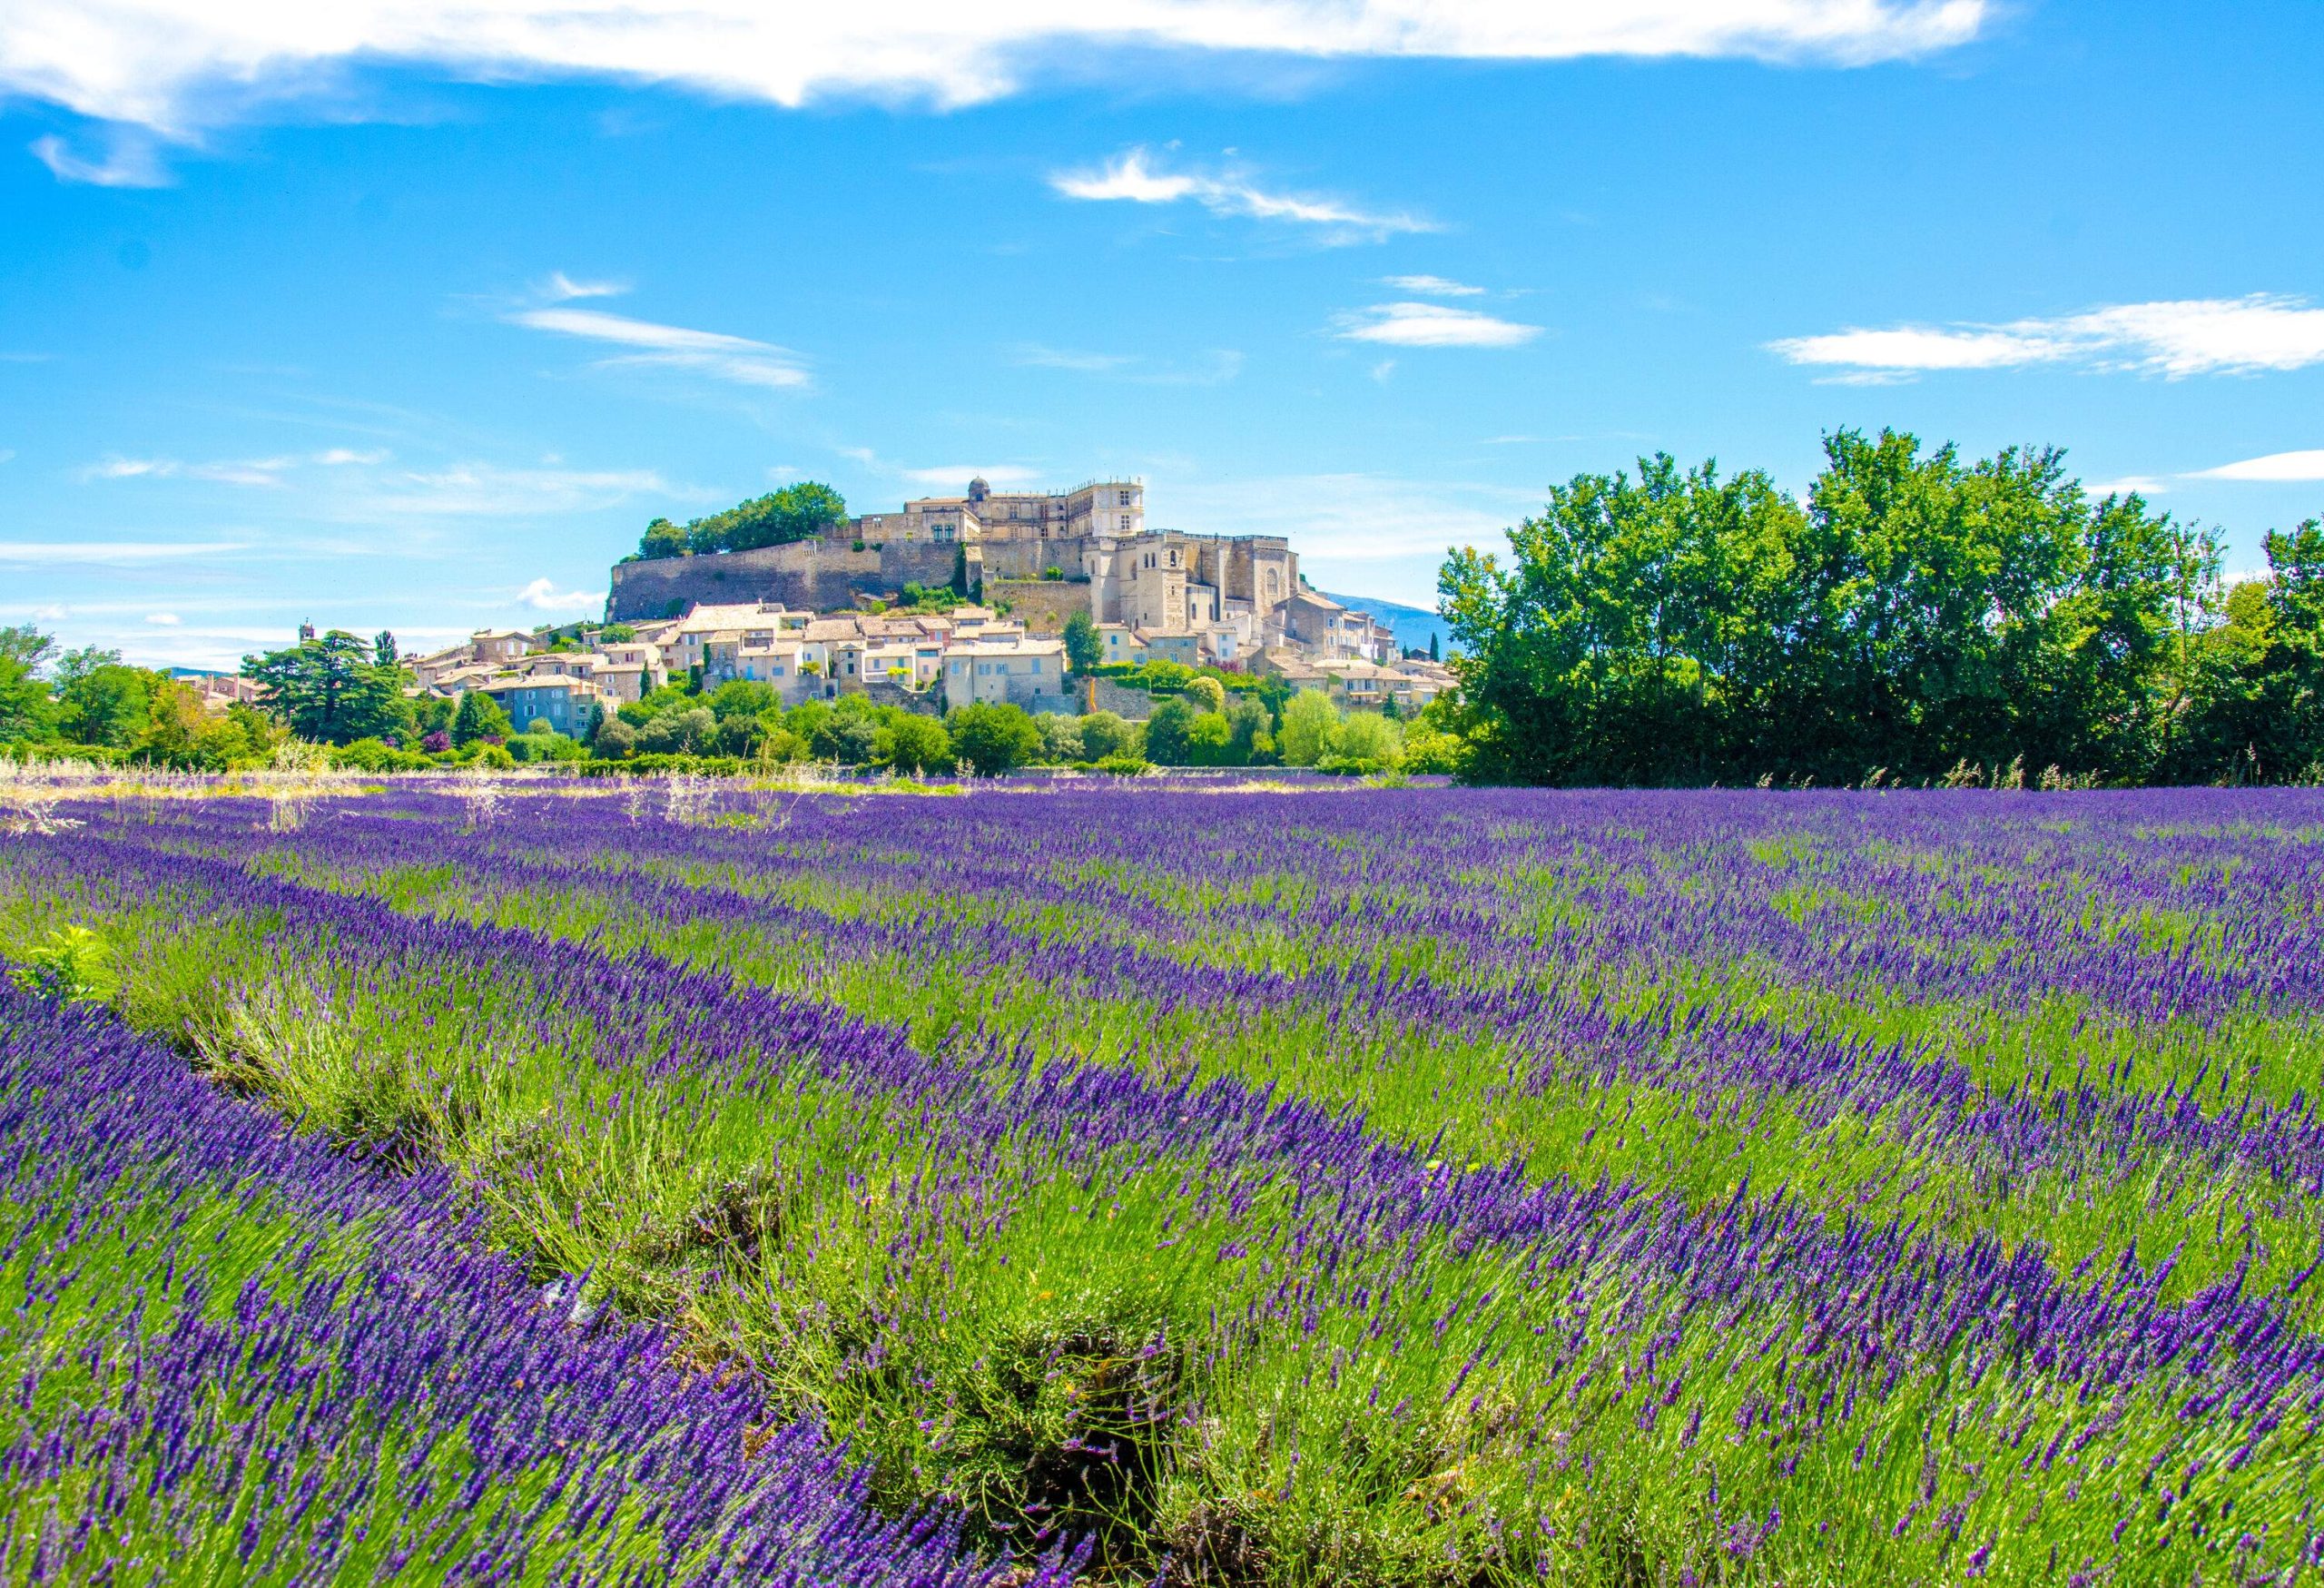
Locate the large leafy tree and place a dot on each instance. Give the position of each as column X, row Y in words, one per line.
column 1915, row 610
column 1084, row 649
column 990, row 737
column 109, row 704
column 27, row 712
column 333, row 690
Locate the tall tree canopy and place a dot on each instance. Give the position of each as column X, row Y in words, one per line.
column 1914, row 611
column 796, row 512
column 333, row 690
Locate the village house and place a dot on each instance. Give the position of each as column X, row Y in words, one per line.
column 572, row 706
column 1029, row 673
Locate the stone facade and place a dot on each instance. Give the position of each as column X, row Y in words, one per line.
column 813, row 575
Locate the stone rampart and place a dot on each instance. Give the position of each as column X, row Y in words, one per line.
column 1043, row 605
column 812, row 576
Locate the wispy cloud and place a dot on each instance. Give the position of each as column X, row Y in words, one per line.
column 1035, row 356
column 564, row 289
column 735, row 359
column 1133, row 177
column 2143, row 484
column 173, row 64
column 130, row 162
column 1214, row 368
column 484, row 491
column 2196, row 336
column 163, row 619
column 1433, row 325
column 543, row 595
column 113, row 553
column 1432, row 286
column 252, row 471
column 2282, row 467
column 343, row 457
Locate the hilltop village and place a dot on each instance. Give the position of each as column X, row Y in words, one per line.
column 1044, row 601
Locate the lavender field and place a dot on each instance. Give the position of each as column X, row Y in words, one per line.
column 1164, row 1183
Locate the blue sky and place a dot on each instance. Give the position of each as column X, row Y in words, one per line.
column 411, row 319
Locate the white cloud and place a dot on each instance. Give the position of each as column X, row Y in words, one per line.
column 2144, row 485
column 2276, row 465
column 341, row 457
column 726, row 358
column 482, row 490
column 564, row 288
column 129, row 469
column 1432, row 286
column 175, row 64
column 1214, row 368
column 113, row 553
column 254, row 471
column 1433, row 325
column 2197, row 336
column 1040, row 358
column 1133, row 177
column 257, row 471
column 1383, row 369
column 130, row 162
column 542, row 596
column 163, row 619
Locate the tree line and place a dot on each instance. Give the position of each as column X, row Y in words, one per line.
column 796, row 512
column 1915, row 616
column 89, row 702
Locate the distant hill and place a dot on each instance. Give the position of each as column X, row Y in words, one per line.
column 1413, row 624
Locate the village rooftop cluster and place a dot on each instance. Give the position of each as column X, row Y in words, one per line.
column 1075, row 597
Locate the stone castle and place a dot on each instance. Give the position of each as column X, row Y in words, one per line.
column 1048, row 553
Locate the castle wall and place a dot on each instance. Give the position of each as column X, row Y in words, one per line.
column 813, row 575
column 1044, row 604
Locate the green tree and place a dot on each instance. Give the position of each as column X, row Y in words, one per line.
column 990, row 738
column 1210, row 740
column 1918, row 609
column 1084, row 647
column 689, row 732
column 108, row 705
column 1060, row 737
column 743, row 697
column 27, row 711
column 1169, row 732
column 1104, row 734
column 480, row 717
column 1252, row 736
column 913, row 743
column 614, row 740
column 1308, row 719
column 1363, row 742
column 663, row 538
column 333, row 690
column 1207, row 693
